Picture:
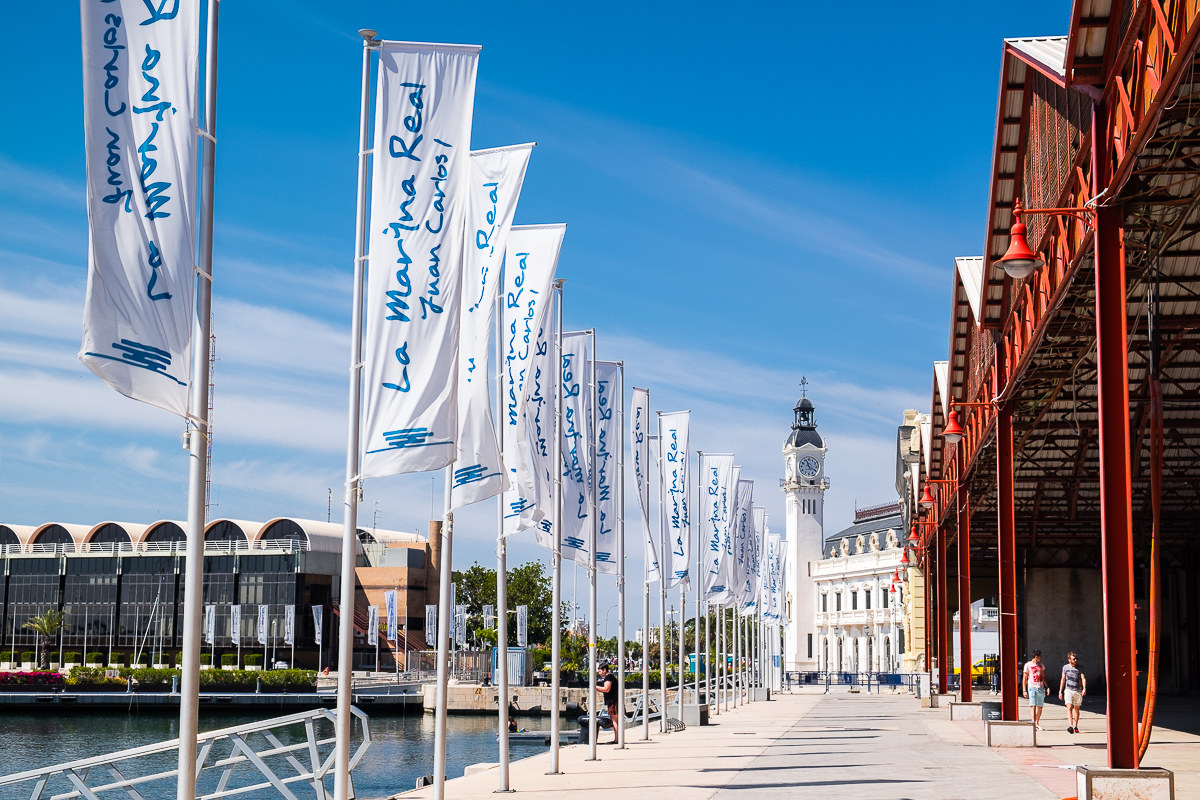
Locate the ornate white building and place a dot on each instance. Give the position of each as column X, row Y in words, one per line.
column 860, row 590
column 804, row 488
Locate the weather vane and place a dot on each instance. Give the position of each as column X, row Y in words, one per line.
column 803, row 386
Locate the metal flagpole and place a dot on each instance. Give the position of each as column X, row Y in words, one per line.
column 662, row 590
column 593, row 513
column 708, row 662
column 736, row 667
column 198, row 431
column 696, row 578
column 620, row 721
column 646, row 645
column 556, row 557
column 445, row 620
column 681, row 683
column 722, row 671
column 351, row 496
column 501, row 571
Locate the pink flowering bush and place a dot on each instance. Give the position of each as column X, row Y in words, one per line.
column 16, row 681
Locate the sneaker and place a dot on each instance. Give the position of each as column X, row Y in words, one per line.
column 1070, row 729
column 1039, row 727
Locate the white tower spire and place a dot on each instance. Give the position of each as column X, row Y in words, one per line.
column 804, row 486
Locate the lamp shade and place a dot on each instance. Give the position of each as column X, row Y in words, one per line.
column 926, row 498
column 1018, row 261
column 953, row 431
column 904, row 556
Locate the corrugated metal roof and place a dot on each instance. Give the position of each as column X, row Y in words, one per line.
column 1048, row 52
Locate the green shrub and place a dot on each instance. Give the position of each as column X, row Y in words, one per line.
column 72, row 657
column 151, row 680
column 253, row 660
column 94, row 658
column 28, row 656
column 138, row 660
column 119, row 658
column 229, row 659
column 289, row 680
column 91, row 679
column 206, row 659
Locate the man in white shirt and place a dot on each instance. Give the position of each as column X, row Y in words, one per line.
column 1033, row 686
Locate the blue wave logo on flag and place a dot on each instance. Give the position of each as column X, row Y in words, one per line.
column 407, row 438
column 142, row 356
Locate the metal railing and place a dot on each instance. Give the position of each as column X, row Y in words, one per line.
column 259, row 756
column 210, row 548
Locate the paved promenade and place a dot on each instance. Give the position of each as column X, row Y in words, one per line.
column 841, row 745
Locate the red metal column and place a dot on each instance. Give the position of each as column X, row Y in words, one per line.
column 943, row 613
column 1116, row 516
column 964, row 597
column 1006, row 544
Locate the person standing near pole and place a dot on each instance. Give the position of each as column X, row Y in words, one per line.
column 1033, row 686
column 606, row 689
column 1071, row 690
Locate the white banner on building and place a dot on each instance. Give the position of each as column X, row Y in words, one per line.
column 210, row 624
column 140, row 67
column 318, row 627
column 522, row 626
column 460, row 625
column 235, row 624
column 495, row 185
column 263, row 623
column 639, row 431
column 289, row 625
column 673, row 442
column 431, row 622
column 574, row 385
column 419, row 179
column 389, row 600
column 608, row 445
column 529, row 264
column 373, row 625
column 716, row 469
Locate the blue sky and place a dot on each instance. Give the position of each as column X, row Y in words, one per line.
column 753, row 193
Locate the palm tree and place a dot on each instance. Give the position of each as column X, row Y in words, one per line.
column 46, row 625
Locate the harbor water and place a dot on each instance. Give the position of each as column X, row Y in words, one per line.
column 401, row 746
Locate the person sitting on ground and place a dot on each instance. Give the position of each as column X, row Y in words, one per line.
column 1071, row 691
column 1033, row 686
column 606, row 687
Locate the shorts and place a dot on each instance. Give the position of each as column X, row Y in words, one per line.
column 1037, row 696
column 1073, row 697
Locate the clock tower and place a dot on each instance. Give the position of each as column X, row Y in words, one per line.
column 804, row 486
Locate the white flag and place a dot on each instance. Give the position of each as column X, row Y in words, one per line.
column 235, row 624
column 431, row 614
column 522, row 626
column 262, row 623
column 673, row 441
column 210, row 624
column 575, row 379
column 419, row 181
column 389, row 599
column 489, row 617
column 373, row 625
column 750, row 592
column 742, row 526
column 537, row 448
column 640, row 437
column 289, row 625
column 608, row 444
column 318, row 628
column 496, row 178
column 140, row 66
column 774, row 584
column 529, row 264
column 716, row 469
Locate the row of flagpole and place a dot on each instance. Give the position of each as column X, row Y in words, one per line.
column 433, row 232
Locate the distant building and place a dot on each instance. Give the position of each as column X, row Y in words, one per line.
column 121, row 586
column 860, row 619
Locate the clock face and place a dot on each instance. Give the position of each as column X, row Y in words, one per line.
column 809, row 466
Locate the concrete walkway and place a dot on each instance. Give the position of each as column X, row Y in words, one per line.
column 841, row 745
